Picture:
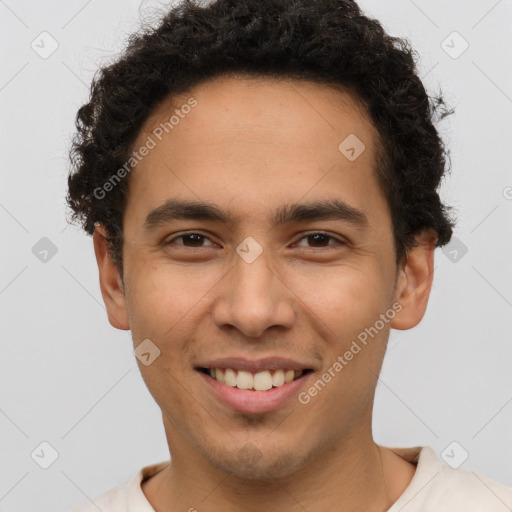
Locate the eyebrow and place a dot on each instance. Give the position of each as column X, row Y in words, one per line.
column 181, row 209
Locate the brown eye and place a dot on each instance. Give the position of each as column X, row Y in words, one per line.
column 191, row 239
column 320, row 239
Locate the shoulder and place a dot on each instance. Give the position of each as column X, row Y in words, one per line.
column 474, row 492
column 127, row 496
column 437, row 487
column 110, row 501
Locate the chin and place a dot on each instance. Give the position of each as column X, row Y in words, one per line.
column 251, row 463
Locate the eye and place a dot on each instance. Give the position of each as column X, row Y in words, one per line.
column 319, row 237
column 196, row 239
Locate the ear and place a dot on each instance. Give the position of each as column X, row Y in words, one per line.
column 414, row 281
column 111, row 285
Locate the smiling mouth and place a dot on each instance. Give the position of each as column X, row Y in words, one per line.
column 254, row 381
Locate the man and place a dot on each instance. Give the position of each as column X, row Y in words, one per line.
column 260, row 179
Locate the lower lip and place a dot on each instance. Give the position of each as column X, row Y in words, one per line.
column 254, row 402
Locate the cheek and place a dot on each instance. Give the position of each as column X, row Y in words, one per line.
column 163, row 308
column 347, row 302
column 346, row 298
column 165, row 298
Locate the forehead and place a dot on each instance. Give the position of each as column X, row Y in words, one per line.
column 260, row 108
column 256, row 141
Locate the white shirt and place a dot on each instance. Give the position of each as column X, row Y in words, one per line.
column 435, row 487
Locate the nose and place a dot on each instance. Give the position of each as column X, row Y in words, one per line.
column 253, row 297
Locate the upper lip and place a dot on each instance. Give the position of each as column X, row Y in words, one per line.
column 256, row 365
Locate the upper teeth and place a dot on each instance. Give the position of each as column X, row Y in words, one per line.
column 260, row 381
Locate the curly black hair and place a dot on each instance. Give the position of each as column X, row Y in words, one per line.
column 325, row 41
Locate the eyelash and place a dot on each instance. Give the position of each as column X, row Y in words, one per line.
column 340, row 241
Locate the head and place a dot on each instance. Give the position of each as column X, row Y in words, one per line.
column 261, row 180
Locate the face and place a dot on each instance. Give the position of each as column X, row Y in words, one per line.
column 255, row 284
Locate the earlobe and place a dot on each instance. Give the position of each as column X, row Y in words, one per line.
column 110, row 281
column 414, row 282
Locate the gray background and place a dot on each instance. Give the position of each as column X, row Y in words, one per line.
column 70, row 379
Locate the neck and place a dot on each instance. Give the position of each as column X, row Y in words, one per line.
column 355, row 474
